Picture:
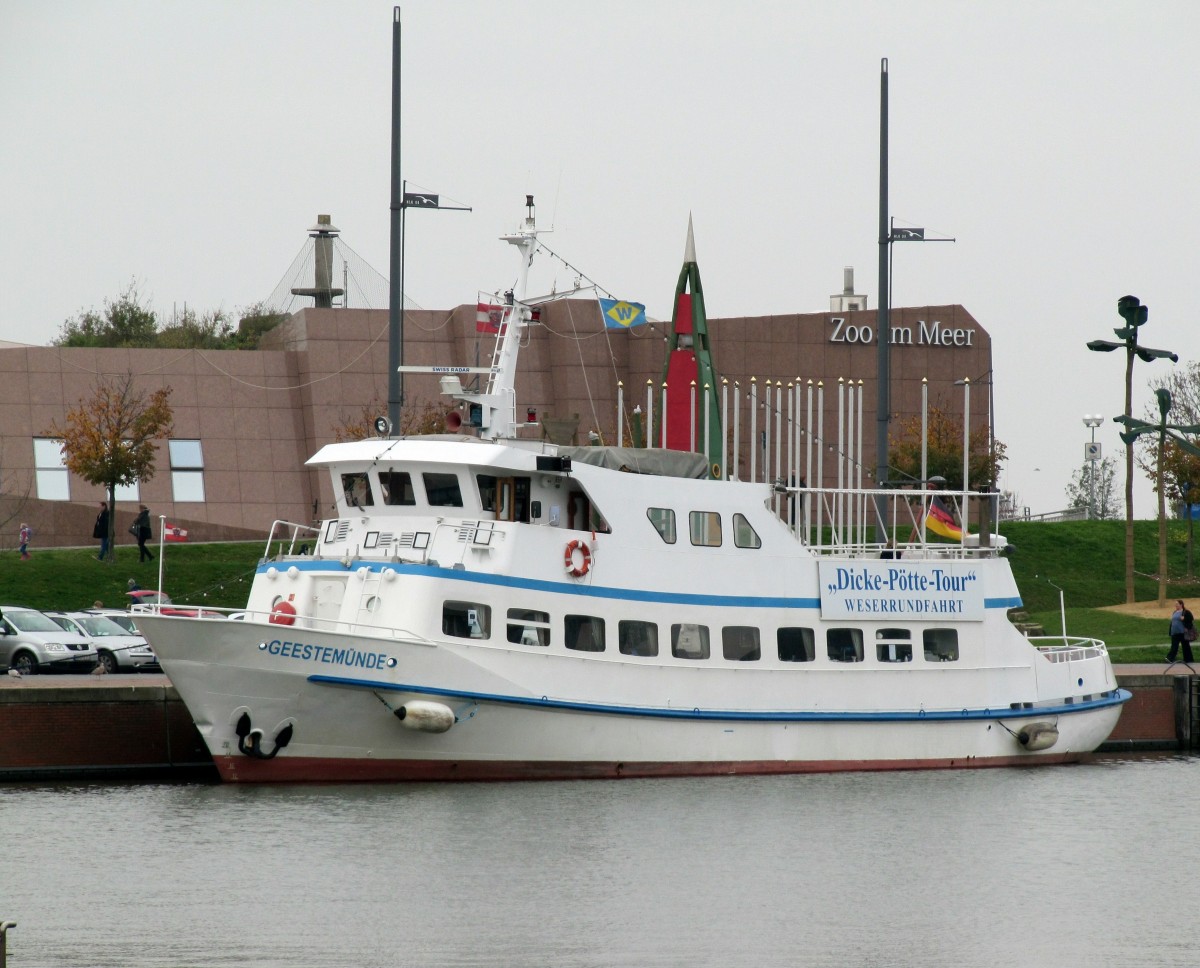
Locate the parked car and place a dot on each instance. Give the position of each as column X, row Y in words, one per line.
column 117, row 648
column 123, row 619
column 31, row 642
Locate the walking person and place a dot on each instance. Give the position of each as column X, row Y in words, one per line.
column 1183, row 632
column 26, row 535
column 141, row 530
column 101, row 530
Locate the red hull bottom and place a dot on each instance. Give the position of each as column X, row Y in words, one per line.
column 244, row 769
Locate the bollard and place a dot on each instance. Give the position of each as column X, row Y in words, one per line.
column 4, row 926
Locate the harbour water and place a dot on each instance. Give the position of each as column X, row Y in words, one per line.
column 1091, row 865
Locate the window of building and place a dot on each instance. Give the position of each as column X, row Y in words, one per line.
column 51, row 470
column 740, row 643
column 528, row 627
column 796, row 645
column 466, row 620
column 584, row 633
column 357, row 489
column 442, row 490
column 689, row 641
column 637, row 638
column 663, row 520
column 744, row 535
column 397, row 487
column 941, row 645
column 893, row 645
column 844, row 645
column 187, row 472
column 705, row 528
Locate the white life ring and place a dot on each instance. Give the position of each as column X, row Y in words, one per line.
column 585, row 558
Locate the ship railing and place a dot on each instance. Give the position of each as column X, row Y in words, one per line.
column 859, row 522
column 280, row 532
column 268, row 616
column 1067, row 648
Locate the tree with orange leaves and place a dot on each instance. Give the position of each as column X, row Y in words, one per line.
column 109, row 438
column 944, row 452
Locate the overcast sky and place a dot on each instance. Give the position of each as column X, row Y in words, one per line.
column 189, row 146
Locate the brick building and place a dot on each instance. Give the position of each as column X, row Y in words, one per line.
column 246, row 421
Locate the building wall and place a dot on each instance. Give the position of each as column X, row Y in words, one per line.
column 259, row 415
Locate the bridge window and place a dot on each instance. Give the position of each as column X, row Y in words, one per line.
column 844, row 645
column 663, row 520
column 705, row 528
column 442, row 490
column 584, row 633
column 397, row 488
column 466, row 620
column 637, row 638
column 893, row 645
column 744, row 535
column 689, row 641
column 740, row 643
column 357, row 490
column 528, row 627
column 796, row 645
column 941, row 645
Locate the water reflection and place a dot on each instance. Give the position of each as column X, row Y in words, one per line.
column 1061, row 866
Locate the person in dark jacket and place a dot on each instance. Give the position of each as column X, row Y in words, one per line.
column 101, row 530
column 141, row 529
column 1183, row 632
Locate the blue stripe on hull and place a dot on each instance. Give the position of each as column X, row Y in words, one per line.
column 591, row 591
column 1114, row 698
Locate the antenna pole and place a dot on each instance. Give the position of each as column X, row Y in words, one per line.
column 883, row 405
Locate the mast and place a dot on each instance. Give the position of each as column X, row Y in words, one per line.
column 498, row 407
column 883, row 405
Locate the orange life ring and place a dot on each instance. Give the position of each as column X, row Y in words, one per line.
column 282, row 613
column 585, row 558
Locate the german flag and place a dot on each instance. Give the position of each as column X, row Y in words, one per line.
column 939, row 520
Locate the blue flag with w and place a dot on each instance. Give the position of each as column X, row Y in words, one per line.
column 619, row 314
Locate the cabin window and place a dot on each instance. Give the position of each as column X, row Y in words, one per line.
column 796, row 645
column 357, row 490
column 744, row 536
column 705, row 528
column 397, row 487
column 941, row 645
column 844, row 645
column 637, row 638
column 893, row 645
column 689, row 641
column 466, row 620
column 442, row 490
column 740, row 643
column 487, row 491
column 528, row 627
column 663, row 520
column 584, row 633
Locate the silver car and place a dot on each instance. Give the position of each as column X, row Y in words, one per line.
column 117, row 649
column 30, row 642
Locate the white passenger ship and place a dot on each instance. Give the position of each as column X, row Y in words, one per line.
column 486, row 608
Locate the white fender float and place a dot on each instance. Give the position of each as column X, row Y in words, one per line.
column 425, row 716
column 1038, row 736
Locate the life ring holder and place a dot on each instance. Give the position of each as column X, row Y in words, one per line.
column 282, row 613
column 585, row 558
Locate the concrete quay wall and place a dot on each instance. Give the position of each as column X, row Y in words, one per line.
column 137, row 728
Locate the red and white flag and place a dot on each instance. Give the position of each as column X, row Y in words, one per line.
column 173, row 532
column 489, row 318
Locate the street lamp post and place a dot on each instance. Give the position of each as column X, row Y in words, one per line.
column 1135, row 315
column 1091, row 453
